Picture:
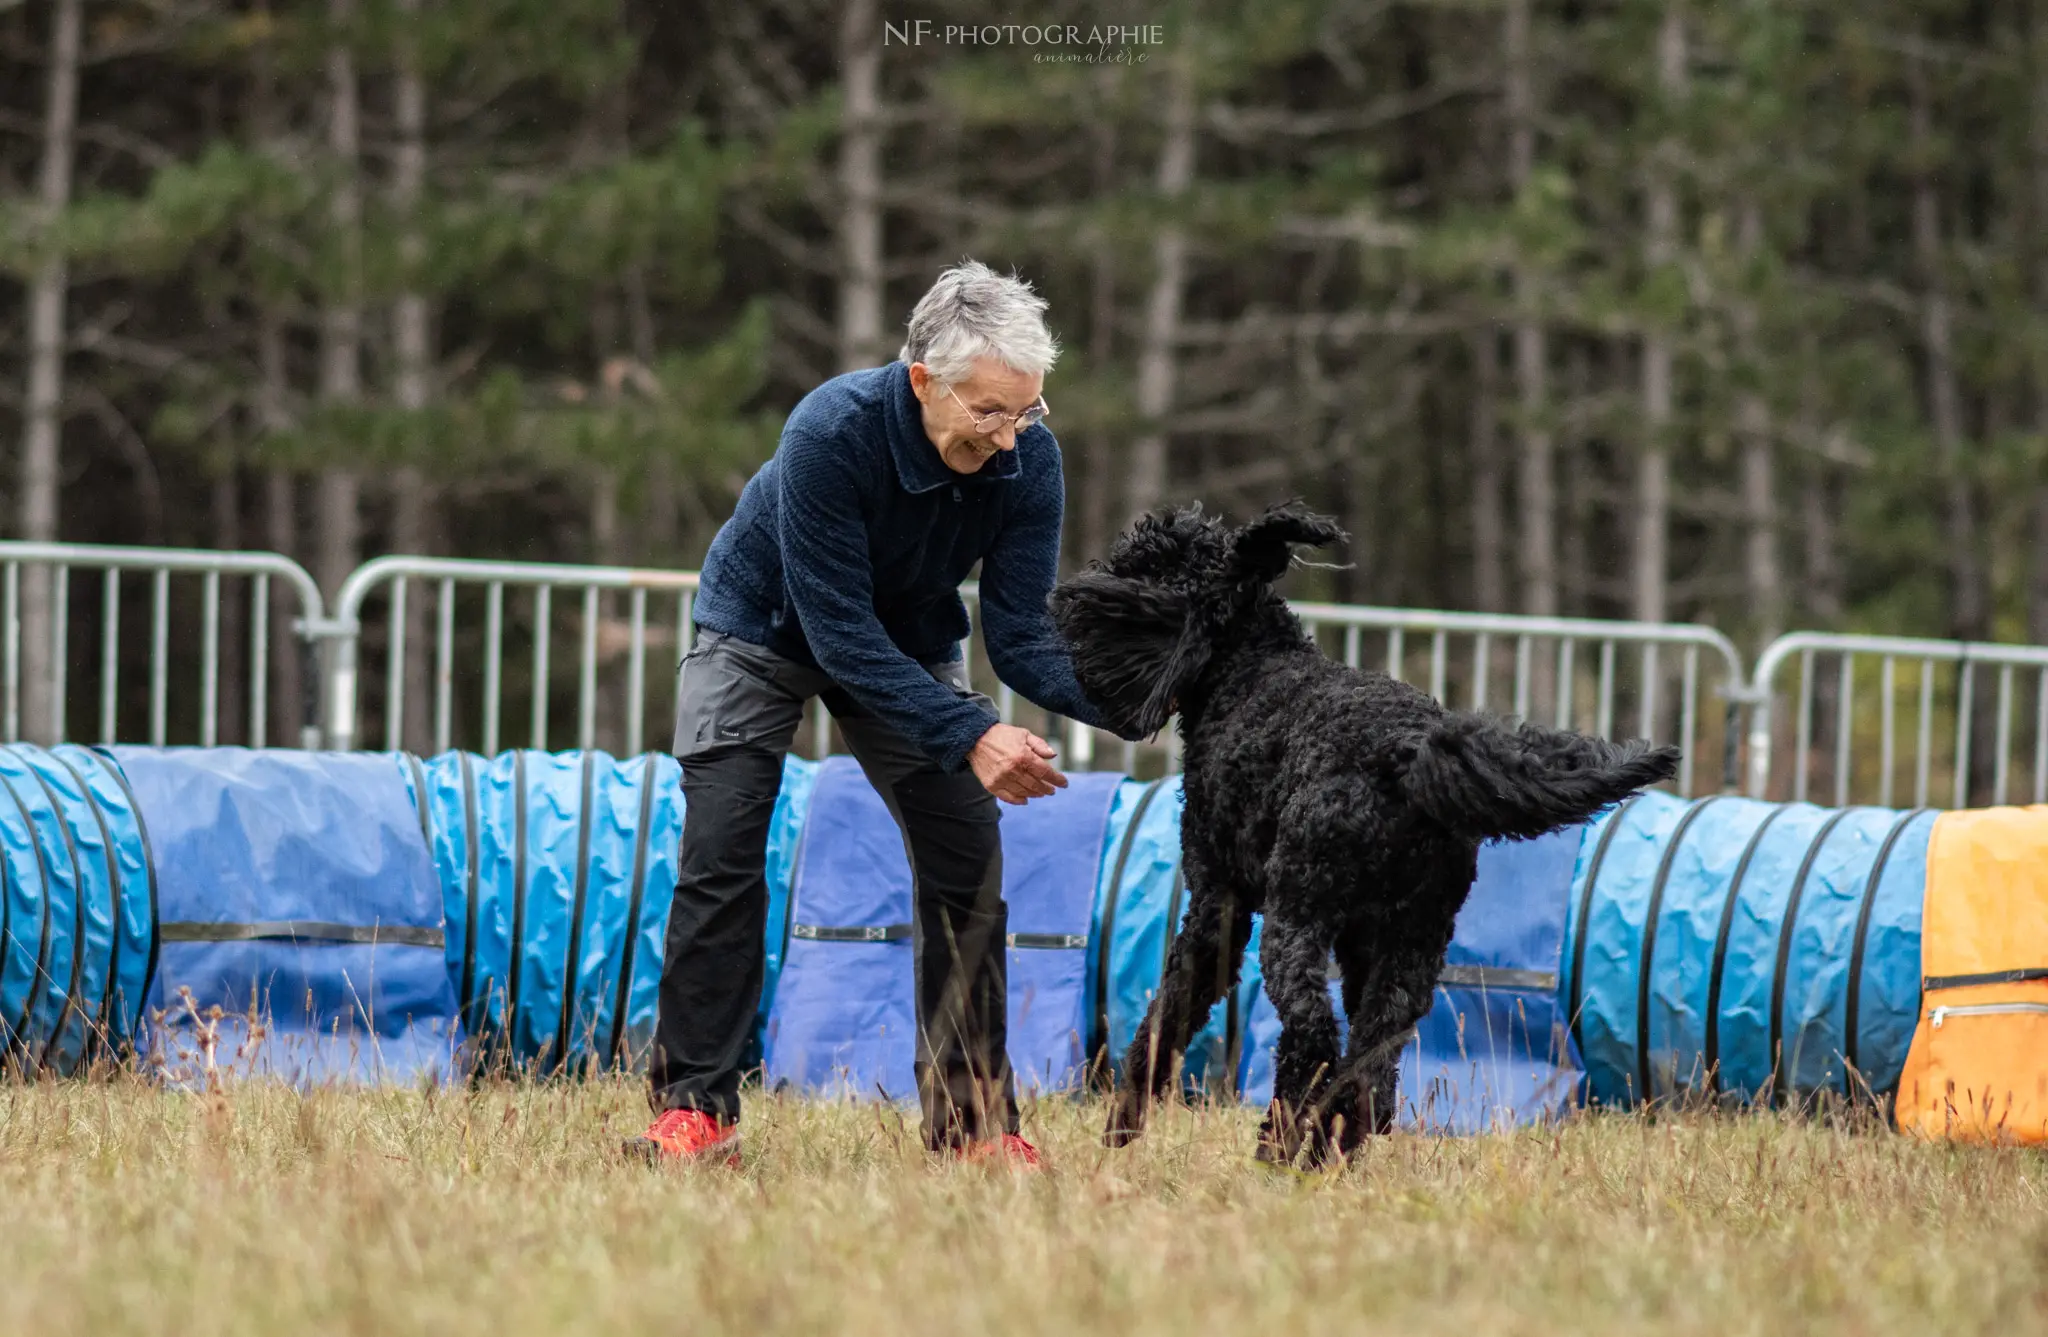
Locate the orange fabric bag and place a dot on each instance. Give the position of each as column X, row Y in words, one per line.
column 1978, row 1068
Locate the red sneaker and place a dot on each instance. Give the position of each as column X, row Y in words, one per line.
column 1009, row 1149
column 688, row 1135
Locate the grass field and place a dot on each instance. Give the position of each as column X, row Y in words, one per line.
column 503, row 1210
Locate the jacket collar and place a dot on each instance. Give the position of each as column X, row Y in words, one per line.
column 917, row 459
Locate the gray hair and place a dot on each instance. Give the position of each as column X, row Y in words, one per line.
column 974, row 312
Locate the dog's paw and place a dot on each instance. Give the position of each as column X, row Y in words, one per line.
column 1126, row 1123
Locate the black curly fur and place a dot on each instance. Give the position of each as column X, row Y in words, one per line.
column 1345, row 807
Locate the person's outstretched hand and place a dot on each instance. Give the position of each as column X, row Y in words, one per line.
column 1014, row 764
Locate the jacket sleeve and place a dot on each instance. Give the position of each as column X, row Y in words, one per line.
column 831, row 585
column 1017, row 574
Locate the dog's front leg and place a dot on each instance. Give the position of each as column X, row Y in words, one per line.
column 1200, row 968
column 1295, row 959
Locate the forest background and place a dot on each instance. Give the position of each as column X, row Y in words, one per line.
column 1720, row 310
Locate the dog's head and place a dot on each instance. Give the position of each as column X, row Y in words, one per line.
column 1144, row 623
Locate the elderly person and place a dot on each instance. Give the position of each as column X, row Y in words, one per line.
column 838, row 577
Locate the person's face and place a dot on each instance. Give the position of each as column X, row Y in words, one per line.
column 955, row 414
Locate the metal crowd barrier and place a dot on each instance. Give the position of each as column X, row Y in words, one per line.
column 1569, row 672
column 1978, row 723
column 1860, row 698
column 168, row 652
column 469, row 601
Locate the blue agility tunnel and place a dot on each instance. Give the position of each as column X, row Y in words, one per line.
column 77, row 940
column 1745, row 950
column 1491, row 1052
column 295, row 889
column 556, row 873
column 380, row 910
column 842, row 1019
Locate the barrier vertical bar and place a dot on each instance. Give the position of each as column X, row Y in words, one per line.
column 110, row 657
column 1648, row 701
column 1352, row 639
column 1888, row 730
column 1689, row 719
column 1482, row 649
column 636, row 676
column 1525, row 649
column 1845, row 726
column 394, row 668
column 543, row 619
column 1397, row 651
column 686, row 636
column 1603, row 715
column 159, row 657
column 259, row 659
column 1802, row 742
column 2041, row 737
column 2004, row 730
column 1966, row 709
column 209, row 660
column 1923, row 765
column 1439, row 663
column 586, row 675
column 60, row 650
column 494, row 628
column 444, row 666
column 1567, row 649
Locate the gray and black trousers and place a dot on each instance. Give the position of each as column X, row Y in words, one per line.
column 741, row 706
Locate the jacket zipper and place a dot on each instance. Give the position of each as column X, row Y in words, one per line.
column 1982, row 1010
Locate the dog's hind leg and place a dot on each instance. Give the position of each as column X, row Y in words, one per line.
column 1397, row 973
column 1295, row 958
column 1202, row 964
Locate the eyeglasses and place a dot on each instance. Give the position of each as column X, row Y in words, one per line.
column 985, row 423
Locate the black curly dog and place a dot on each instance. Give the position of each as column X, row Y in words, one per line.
column 1345, row 806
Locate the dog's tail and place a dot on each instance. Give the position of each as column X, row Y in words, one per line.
column 1482, row 779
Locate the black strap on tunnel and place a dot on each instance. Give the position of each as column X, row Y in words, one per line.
column 1107, row 933
column 1712, row 1045
column 419, row 789
column 303, row 930
column 575, row 951
column 2024, row 975
column 518, row 898
column 104, row 1027
column 852, row 932
column 1046, row 942
column 1578, row 993
column 471, row 852
column 42, row 971
column 1781, row 1081
column 106, row 761
column 1852, row 1013
column 70, row 1005
column 634, row 899
column 1647, row 959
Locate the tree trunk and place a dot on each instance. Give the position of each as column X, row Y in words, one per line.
column 1163, row 304
column 860, row 185
column 1650, row 586
column 1489, row 573
column 1536, row 467
column 412, row 498
column 340, row 521
column 2037, row 84
column 1101, row 455
column 1759, row 467
column 44, row 411
column 1969, row 614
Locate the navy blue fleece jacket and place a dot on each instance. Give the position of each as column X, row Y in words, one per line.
column 848, row 549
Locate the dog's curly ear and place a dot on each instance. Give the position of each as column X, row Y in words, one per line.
column 1135, row 645
column 1262, row 549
